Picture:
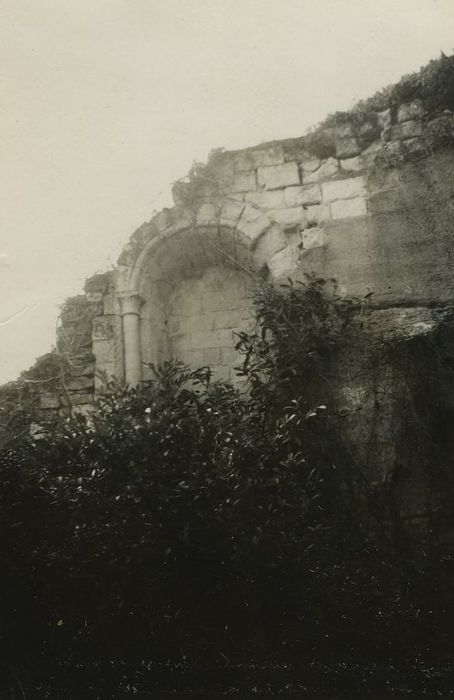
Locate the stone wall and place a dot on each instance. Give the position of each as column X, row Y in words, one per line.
column 366, row 198
column 203, row 315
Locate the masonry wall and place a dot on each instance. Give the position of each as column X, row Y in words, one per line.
column 366, row 199
column 204, row 316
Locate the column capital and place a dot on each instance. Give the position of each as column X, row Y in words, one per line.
column 130, row 302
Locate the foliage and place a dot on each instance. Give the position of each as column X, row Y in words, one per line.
column 187, row 525
column 433, row 83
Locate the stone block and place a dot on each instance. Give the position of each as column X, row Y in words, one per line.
column 103, row 370
column 406, row 130
column 284, row 263
column 205, row 322
column 275, row 176
column 293, row 235
column 81, row 399
column 253, row 222
column 347, row 208
column 345, row 141
column 215, row 339
column 103, row 351
column 343, row 189
column 267, row 199
column 80, row 369
column 326, row 170
column 268, row 245
column 94, row 297
column 256, row 158
column 110, row 305
column 318, row 214
column 256, row 228
column 384, row 118
column 225, row 319
column 310, row 165
column 49, row 401
column 410, row 110
column 415, row 148
column 103, row 327
column 303, row 194
column 206, row 214
column 352, row 164
column 313, row 238
column 230, row 357
column 231, row 213
column 291, row 216
column 385, row 201
column 244, row 181
column 369, row 154
column 79, row 383
column 86, row 410
column 221, row 373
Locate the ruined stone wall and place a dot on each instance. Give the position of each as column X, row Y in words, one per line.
column 203, row 319
column 366, row 198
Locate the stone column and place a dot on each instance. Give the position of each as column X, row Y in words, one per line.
column 130, row 312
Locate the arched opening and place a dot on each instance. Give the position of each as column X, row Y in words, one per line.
column 198, row 288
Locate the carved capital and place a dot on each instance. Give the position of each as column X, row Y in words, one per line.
column 130, row 303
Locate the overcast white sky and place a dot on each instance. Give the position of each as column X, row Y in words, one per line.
column 107, row 102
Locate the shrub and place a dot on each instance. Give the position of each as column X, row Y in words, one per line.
column 187, row 523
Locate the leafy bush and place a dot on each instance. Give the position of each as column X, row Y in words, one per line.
column 187, row 523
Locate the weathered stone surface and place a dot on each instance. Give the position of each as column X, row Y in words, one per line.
column 313, row 238
column 268, row 245
column 352, row 164
column 406, row 130
column 81, row 399
column 94, row 297
column 343, row 189
column 275, row 176
column 347, row 147
column 384, row 118
column 80, row 369
column 285, row 262
column 255, row 158
column 205, row 312
column 206, row 214
column 49, row 401
column 231, row 213
column 103, row 327
column 290, row 216
column 255, row 228
column 267, row 199
column 346, row 208
column 410, row 110
column 308, row 165
column 79, row 383
column 252, row 222
column 392, row 324
column 303, row 194
column 385, row 201
column 244, row 181
column 416, row 148
column 318, row 214
column 369, row 154
column 326, row 170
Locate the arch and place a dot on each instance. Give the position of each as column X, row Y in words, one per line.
column 178, row 261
